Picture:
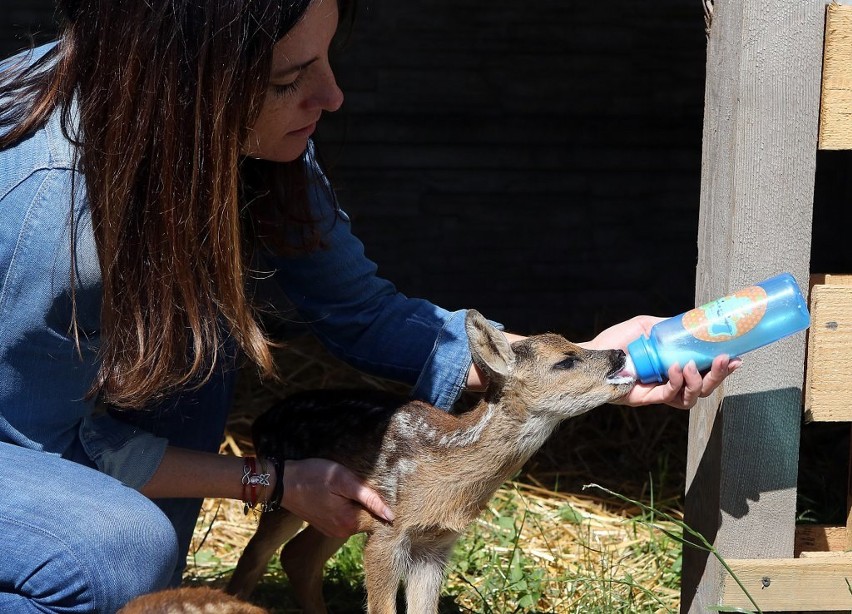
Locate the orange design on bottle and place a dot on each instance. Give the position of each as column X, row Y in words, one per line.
column 727, row 318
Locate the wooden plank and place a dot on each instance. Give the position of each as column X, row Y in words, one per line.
column 819, row 538
column 761, row 121
column 831, row 279
column 790, row 585
column 835, row 130
column 828, row 393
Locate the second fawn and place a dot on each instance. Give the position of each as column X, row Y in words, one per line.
column 436, row 470
column 190, row 600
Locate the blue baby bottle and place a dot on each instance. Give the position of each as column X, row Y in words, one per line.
column 733, row 325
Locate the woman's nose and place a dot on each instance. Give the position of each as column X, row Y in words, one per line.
column 327, row 96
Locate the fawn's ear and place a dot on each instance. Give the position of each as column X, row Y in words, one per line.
column 490, row 350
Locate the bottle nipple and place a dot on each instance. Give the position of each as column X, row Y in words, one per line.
column 629, row 367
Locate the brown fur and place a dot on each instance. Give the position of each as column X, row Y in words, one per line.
column 436, row 470
column 201, row 600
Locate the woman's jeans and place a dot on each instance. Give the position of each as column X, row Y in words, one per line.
column 76, row 540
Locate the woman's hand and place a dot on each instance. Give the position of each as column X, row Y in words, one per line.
column 685, row 385
column 329, row 496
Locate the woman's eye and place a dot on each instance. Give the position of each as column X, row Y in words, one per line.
column 567, row 363
column 285, row 89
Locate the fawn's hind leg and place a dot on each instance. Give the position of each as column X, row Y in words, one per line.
column 303, row 558
column 426, row 573
column 273, row 530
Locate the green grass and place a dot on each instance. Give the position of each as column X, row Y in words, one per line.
column 500, row 566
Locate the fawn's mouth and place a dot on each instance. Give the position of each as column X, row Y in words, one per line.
column 623, row 374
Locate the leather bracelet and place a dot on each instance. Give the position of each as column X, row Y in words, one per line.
column 274, row 500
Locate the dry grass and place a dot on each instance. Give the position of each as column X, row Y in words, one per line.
column 543, row 545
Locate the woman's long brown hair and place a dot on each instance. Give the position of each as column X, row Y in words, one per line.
column 166, row 91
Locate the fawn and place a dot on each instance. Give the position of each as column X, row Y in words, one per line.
column 436, row 470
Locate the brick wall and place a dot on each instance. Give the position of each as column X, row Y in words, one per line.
column 541, row 164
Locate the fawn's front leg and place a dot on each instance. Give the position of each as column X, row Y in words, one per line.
column 273, row 530
column 385, row 559
column 425, row 575
column 303, row 559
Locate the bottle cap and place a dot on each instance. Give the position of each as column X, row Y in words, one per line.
column 645, row 361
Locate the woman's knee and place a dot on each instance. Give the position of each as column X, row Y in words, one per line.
column 88, row 543
column 139, row 552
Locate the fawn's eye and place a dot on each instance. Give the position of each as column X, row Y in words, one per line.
column 569, row 362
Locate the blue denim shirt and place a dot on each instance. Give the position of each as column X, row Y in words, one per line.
column 335, row 291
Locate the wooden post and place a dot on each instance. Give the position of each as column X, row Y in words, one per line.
column 758, row 164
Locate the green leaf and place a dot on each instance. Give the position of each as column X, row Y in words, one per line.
column 507, row 523
column 569, row 514
column 204, row 557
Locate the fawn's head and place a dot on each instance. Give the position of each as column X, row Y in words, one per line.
column 547, row 374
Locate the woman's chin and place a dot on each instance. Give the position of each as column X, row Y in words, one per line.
column 288, row 150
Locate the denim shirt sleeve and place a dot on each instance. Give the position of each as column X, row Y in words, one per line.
column 363, row 319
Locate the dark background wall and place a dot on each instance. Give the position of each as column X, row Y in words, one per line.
column 538, row 161
column 21, row 20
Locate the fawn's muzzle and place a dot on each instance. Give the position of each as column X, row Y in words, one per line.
column 619, row 374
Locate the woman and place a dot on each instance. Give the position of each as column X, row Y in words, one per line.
column 161, row 208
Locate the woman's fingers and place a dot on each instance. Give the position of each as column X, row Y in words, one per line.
column 353, row 488
column 721, row 368
column 329, row 496
column 684, row 386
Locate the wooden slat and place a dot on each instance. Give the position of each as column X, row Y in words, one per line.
column 835, row 131
column 815, row 538
column 790, row 585
column 764, row 66
column 828, row 390
column 831, row 279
